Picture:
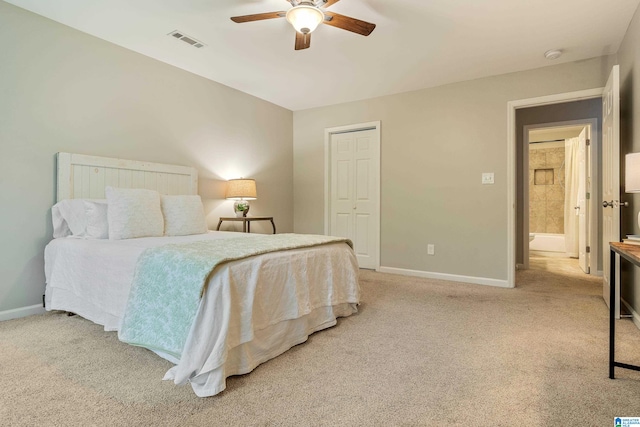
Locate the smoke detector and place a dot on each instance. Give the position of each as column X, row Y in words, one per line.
column 187, row 39
column 553, row 54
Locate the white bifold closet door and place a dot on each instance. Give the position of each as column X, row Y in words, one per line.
column 354, row 192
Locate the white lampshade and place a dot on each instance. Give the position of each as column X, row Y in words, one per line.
column 632, row 173
column 241, row 189
column 305, row 18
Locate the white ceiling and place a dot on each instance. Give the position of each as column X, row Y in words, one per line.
column 416, row 43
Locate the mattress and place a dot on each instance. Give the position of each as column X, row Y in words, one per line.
column 92, row 278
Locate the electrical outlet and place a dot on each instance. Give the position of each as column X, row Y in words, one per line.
column 488, row 178
column 431, row 249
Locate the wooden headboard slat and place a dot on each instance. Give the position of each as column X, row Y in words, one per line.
column 83, row 176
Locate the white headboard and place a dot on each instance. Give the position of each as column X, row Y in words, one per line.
column 82, row 176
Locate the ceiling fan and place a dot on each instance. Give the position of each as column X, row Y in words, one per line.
column 305, row 16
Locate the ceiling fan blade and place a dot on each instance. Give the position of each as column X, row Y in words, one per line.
column 327, row 3
column 347, row 23
column 258, row 17
column 303, row 41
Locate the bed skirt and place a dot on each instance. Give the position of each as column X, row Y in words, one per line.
column 267, row 344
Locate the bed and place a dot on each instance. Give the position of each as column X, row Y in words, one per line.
column 251, row 310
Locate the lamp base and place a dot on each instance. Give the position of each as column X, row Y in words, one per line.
column 241, row 208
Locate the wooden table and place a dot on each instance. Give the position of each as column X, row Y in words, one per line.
column 632, row 254
column 246, row 221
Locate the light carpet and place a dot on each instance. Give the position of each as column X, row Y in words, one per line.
column 420, row 352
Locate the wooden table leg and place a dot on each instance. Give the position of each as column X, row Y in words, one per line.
column 219, row 222
column 244, row 226
column 274, row 226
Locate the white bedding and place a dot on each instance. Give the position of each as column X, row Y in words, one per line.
column 92, row 278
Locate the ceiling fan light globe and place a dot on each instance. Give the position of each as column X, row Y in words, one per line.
column 305, row 18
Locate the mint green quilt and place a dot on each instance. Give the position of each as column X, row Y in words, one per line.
column 170, row 280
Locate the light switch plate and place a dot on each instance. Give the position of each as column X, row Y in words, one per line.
column 487, row 178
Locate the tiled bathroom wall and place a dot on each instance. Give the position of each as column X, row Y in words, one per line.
column 546, row 190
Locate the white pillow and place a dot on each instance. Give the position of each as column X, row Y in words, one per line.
column 97, row 219
column 183, row 215
column 69, row 217
column 133, row 213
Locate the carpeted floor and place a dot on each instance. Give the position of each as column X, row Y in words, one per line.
column 420, row 352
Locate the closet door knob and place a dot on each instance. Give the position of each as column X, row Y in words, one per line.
column 606, row 204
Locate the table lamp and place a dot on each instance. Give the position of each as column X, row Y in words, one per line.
column 241, row 190
column 632, row 175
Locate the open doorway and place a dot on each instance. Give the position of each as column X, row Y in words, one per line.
column 561, row 110
column 558, row 210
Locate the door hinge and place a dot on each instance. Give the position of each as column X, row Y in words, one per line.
column 588, row 196
column 588, row 249
column 588, row 142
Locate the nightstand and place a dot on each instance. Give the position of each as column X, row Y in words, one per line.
column 246, row 222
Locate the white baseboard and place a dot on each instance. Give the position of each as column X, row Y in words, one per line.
column 443, row 276
column 598, row 273
column 22, row 312
column 634, row 314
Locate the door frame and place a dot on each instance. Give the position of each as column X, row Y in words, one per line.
column 328, row 132
column 512, row 106
column 592, row 226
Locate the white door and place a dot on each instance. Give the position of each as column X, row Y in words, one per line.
column 582, row 207
column 611, row 180
column 354, row 192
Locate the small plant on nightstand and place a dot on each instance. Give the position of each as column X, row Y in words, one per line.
column 241, row 208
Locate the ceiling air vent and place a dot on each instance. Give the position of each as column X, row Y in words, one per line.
column 187, row 39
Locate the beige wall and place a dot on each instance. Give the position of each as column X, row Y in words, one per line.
column 629, row 58
column 435, row 145
column 62, row 90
